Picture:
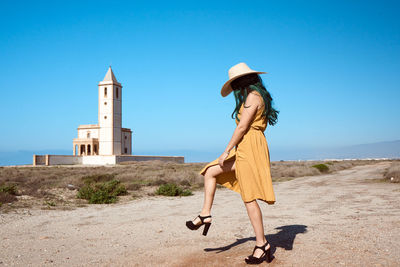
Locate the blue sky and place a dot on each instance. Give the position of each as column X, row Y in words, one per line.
column 333, row 70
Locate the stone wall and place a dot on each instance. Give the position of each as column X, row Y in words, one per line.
column 97, row 160
column 56, row 160
column 124, row 158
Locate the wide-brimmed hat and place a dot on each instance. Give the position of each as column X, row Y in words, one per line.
column 235, row 72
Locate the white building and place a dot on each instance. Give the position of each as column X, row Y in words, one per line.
column 107, row 137
column 106, row 142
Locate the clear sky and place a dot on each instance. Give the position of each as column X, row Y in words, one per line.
column 333, row 70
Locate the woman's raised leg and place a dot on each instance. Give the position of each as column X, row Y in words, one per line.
column 210, row 183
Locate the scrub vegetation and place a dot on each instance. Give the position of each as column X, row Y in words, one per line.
column 101, row 189
column 68, row 187
column 321, row 167
column 393, row 173
column 173, row 190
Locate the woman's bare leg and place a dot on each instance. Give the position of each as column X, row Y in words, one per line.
column 255, row 215
column 210, row 184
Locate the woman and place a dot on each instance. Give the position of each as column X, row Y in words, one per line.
column 246, row 168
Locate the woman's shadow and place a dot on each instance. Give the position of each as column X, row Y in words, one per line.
column 283, row 239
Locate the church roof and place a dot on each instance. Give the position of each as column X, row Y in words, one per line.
column 110, row 76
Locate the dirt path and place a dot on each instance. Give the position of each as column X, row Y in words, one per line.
column 331, row 220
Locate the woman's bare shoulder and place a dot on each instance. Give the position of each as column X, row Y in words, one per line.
column 254, row 92
column 254, row 98
column 257, row 98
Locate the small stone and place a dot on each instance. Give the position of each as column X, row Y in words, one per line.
column 71, row 186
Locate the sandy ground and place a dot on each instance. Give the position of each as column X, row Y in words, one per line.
column 341, row 219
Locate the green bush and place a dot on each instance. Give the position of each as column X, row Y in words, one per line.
column 102, row 193
column 9, row 188
column 321, row 167
column 171, row 189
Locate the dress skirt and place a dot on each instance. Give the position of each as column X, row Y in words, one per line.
column 252, row 175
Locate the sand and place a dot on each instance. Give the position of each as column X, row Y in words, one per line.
column 341, row 219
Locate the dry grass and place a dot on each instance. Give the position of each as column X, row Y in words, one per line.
column 393, row 172
column 53, row 184
column 287, row 170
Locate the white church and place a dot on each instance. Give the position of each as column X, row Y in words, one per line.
column 106, row 142
column 107, row 137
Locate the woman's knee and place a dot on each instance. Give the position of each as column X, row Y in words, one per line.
column 215, row 170
column 211, row 172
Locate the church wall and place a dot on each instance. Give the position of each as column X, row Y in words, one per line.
column 105, row 105
column 117, row 106
column 105, row 119
column 126, row 143
column 105, row 148
column 117, row 120
column 82, row 133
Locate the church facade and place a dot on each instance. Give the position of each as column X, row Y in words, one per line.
column 107, row 137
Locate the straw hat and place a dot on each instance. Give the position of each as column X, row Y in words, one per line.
column 235, row 72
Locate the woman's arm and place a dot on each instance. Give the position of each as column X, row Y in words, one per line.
column 253, row 101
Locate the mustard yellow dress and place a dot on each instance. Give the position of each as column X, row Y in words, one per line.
column 252, row 175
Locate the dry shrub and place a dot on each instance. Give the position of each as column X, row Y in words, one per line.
column 9, row 188
column 7, row 198
column 39, row 181
column 393, row 172
column 286, row 170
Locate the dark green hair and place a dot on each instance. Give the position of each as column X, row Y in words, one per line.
column 253, row 82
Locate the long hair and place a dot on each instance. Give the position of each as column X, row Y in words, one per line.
column 253, row 82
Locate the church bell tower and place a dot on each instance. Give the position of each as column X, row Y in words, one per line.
column 110, row 121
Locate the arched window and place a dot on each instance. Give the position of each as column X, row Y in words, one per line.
column 105, row 91
column 88, row 135
column 117, row 92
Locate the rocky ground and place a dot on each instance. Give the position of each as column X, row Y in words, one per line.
column 348, row 218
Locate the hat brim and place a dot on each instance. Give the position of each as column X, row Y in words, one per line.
column 227, row 89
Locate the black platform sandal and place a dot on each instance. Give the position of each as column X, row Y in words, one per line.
column 193, row 226
column 265, row 256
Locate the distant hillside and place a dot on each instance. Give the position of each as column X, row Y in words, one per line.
column 389, row 149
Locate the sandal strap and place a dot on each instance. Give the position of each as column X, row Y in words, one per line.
column 260, row 247
column 204, row 217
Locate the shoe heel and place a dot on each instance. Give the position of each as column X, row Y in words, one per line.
column 269, row 256
column 206, row 227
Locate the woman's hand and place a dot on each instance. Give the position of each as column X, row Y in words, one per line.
column 222, row 159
